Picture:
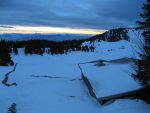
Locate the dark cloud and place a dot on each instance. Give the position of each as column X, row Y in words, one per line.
column 102, row 14
column 3, row 26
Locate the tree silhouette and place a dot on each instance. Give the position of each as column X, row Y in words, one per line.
column 146, row 22
column 144, row 65
column 5, row 58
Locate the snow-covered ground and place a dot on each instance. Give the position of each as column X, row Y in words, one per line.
column 58, row 89
column 110, row 78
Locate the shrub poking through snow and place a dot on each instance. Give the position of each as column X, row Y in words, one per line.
column 12, row 108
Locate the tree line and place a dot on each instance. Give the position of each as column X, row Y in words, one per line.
column 40, row 47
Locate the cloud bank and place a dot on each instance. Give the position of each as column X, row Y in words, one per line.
column 91, row 14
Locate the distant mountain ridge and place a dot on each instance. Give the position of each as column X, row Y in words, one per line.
column 51, row 37
column 110, row 36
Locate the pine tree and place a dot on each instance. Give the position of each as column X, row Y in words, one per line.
column 5, row 58
column 15, row 50
column 146, row 22
column 144, row 65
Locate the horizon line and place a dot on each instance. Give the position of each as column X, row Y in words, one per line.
column 20, row 29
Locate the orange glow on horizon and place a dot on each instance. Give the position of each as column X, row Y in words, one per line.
column 49, row 30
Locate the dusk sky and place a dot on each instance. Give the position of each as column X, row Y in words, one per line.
column 91, row 15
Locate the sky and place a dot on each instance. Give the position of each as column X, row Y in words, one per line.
column 88, row 16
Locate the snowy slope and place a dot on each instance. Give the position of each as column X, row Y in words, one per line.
column 129, row 47
column 51, row 84
column 118, row 34
column 118, row 64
